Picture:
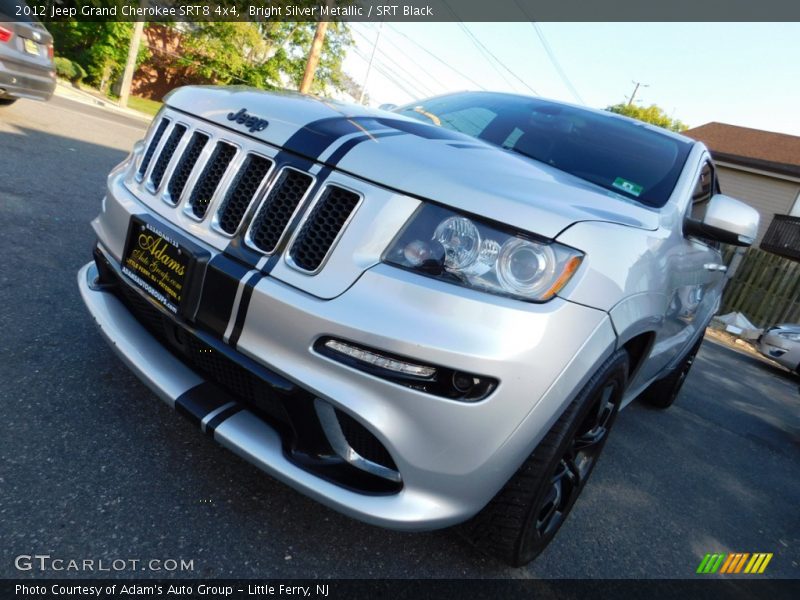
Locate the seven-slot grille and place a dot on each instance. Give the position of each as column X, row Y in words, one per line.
column 195, row 168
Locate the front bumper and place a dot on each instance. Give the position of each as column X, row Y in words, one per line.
column 784, row 352
column 453, row 457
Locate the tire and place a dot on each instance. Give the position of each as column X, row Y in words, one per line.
column 525, row 515
column 7, row 101
column 662, row 393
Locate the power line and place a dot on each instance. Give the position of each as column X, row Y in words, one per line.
column 551, row 55
column 486, row 55
column 499, row 62
column 480, row 44
column 449, row 66
column 369, row 64
column 432, row 83
column 396, row 66
column 401, row 85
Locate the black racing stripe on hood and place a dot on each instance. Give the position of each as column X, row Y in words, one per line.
column 423, row 130
column 313, row 139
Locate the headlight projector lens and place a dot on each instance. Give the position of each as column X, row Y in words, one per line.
column 524, row 267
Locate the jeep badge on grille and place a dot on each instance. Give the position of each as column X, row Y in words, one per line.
column 252, row 122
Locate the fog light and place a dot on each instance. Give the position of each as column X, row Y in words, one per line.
column 377, row 360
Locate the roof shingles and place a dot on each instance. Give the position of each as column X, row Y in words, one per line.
column 767, row 150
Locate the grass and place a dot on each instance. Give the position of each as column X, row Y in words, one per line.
column 150, row 107
column 144, row 105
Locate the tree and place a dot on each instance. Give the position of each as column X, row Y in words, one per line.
column 651, row 114
column 267, row 54
column 101, row 48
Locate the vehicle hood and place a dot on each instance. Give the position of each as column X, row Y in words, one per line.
column 415, row 158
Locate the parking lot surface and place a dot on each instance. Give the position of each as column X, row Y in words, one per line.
column 96, row 467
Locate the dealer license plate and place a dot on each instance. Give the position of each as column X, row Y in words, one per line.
column 158, row 263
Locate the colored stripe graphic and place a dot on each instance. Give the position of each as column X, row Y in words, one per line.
column 734, row 563
column 710, row 563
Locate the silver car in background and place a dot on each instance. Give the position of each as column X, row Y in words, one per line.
column 781, row 343
column 26, row 55
column 421, row 318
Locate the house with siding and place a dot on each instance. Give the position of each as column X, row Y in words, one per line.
column 761, row 168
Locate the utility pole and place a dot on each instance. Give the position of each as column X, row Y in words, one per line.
column 130, row 65
column 313, row 57
column 636, row 89
column 369, row 65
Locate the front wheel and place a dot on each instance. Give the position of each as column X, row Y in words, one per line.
column 525, row 515
column 7, row 101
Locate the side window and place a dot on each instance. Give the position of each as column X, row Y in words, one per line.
column 705, row 187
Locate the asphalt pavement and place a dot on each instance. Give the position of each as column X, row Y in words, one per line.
column 94, row 466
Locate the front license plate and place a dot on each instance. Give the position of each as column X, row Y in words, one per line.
column 158, row 263
column 31, row 47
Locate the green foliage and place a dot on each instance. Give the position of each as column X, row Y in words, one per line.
column 101, row 48
column 266, row 54
column 651, row 114
column 69, row 70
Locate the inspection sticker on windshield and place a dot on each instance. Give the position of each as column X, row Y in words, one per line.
column 627, row 186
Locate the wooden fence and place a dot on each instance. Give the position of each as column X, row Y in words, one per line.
column 765, row 287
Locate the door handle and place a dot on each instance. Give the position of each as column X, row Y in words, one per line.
column 715, row 267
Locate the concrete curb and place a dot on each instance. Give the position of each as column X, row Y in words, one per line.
column 65, row 90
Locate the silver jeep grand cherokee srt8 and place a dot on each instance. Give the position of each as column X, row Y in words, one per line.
column 421, row 317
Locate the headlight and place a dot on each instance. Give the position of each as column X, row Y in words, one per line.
column 794, row 337
column 441, row 243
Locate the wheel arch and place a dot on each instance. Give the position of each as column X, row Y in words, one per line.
column 638, row 348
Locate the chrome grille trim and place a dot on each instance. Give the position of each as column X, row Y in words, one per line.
column 159, row 148
column 262, row 205
column 171, row 166
column 240, row 170
column 214, row 159
column 166, row 153
column 308, row 220
column 157, row 133
column 185, row 168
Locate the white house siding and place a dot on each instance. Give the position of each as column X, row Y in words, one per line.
column 768, row 195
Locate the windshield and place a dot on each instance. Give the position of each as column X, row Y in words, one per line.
column 617, row 154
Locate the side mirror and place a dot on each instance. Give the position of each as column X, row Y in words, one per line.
column 388, row 107
column 727, row 220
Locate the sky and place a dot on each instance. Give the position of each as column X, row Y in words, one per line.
column 745, row 74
